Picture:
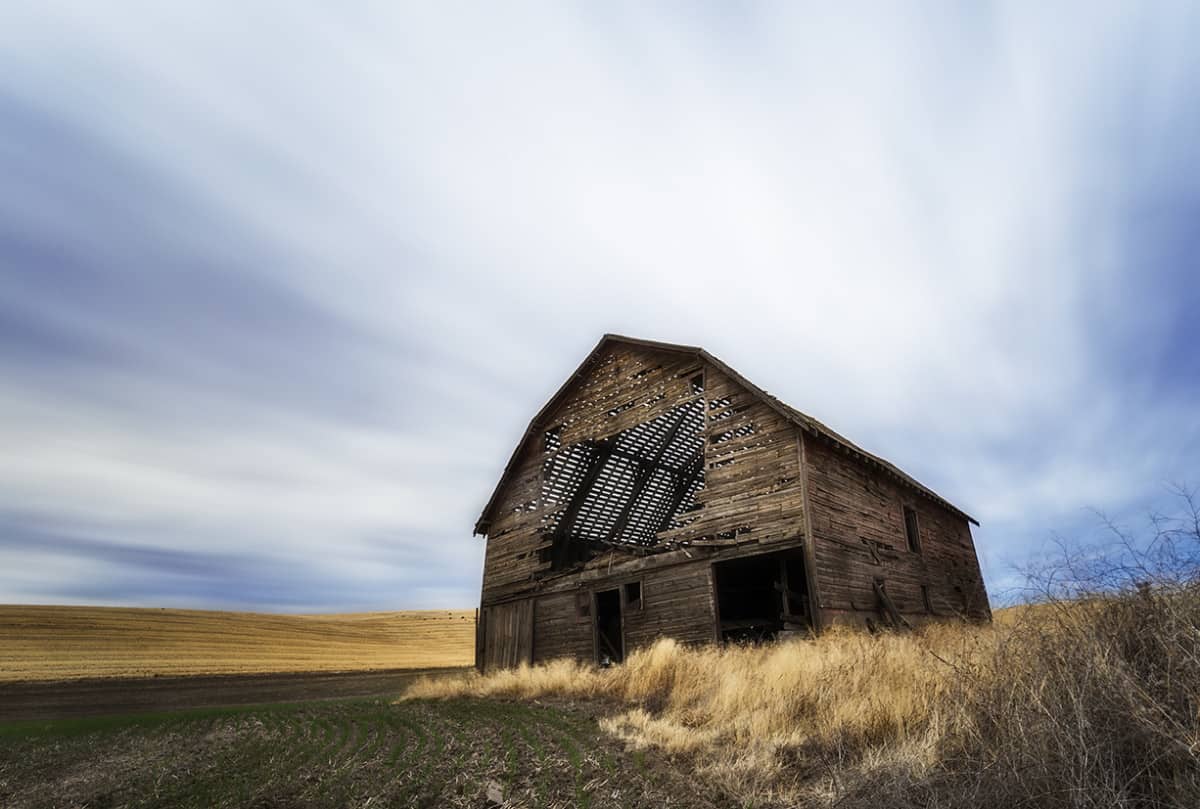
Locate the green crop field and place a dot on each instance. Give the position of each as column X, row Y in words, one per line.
column 360, row 753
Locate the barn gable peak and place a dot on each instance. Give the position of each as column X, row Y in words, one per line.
column 538, row 424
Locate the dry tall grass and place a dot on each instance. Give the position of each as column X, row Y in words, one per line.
column 1066, row 706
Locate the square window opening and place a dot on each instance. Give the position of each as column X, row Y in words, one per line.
column 633, row 595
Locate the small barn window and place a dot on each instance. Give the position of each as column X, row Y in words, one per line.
column 925, row 599
column 698, row 383
column 633, row 595
column 911, row 530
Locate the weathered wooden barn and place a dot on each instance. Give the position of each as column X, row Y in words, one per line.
column 660, row 493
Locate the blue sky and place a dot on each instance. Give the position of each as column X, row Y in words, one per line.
column 281, row 284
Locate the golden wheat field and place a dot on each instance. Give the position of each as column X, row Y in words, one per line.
column 56, row 642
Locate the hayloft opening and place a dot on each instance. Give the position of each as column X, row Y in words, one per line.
column 761, row 597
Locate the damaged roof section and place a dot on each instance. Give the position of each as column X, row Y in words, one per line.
column 621, row 491
column 625, row 489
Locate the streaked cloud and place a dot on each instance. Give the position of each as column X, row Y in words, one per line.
column 280, row 285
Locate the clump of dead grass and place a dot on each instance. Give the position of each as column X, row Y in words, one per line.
column 746, row 714
column 1087, row 705
column 1090, row 699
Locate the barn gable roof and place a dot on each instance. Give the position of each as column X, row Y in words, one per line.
column 801, row 420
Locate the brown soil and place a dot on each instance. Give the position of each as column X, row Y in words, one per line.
column 65, row 699
column 323, row 755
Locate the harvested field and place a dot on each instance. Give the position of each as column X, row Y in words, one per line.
column 60, row 643
column 337, row 754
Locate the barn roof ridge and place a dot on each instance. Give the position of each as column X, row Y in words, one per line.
column 791, row 414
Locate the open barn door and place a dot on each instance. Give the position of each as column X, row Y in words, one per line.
column 610, row 629
column 508, row 635
column 761, row 597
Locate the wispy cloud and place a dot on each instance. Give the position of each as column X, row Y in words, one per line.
column 280, row 285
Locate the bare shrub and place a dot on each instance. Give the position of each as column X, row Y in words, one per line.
column 1092, row 698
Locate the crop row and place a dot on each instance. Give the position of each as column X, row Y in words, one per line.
column 333, row 754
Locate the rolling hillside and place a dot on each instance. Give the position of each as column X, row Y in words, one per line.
column 52, row 643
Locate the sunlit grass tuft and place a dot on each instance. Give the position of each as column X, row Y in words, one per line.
column 1100, row 698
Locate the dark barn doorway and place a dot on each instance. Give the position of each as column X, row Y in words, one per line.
column 761, row 597
column 610, row 639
